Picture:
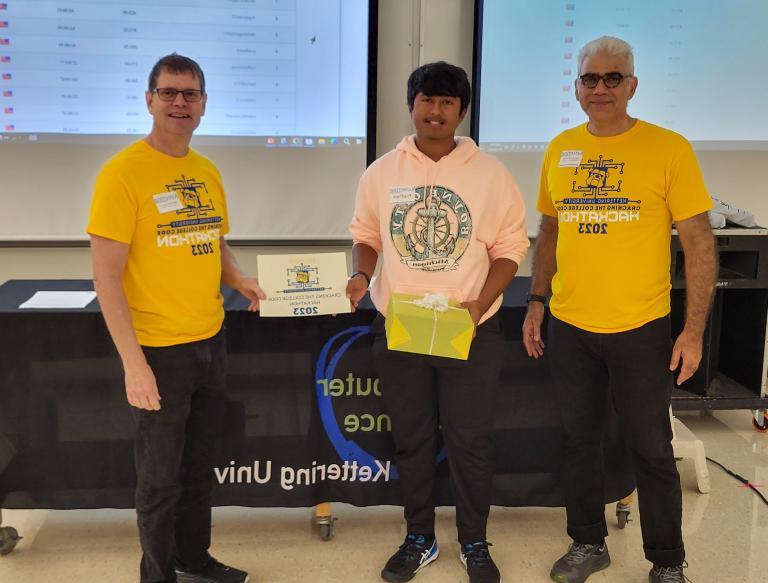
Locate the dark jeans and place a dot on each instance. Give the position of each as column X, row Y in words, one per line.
column 174, row 456
column 629, row 371
column 420, row 392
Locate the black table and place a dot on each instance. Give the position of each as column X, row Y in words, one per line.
column 66, row 429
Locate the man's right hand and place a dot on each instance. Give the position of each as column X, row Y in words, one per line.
column 141, row 387
column 532, row 341
column 356, row 288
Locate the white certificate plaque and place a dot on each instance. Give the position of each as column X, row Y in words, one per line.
column 303, row 285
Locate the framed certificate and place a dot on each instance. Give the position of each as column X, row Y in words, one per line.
column 304, row 285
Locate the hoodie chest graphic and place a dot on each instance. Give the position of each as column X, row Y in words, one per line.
column 432, row 232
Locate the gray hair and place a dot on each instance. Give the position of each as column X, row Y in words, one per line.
column 609, row 45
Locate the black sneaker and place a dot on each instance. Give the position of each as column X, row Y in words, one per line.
column 480, row 566
column 414, row 554
column 580, row 562
column 668, row 574
column 214, row 572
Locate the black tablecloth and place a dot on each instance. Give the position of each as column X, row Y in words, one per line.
column 66, row 429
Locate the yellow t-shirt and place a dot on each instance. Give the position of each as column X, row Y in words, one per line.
column 172, row 212
column 615, row 199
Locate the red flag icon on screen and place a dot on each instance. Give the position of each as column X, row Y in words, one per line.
column 6, row 76
column 5, row 59
column 3, row 6
column 3, row 24
column 9, row 127
column 5, row 41
column 7, row 93
column 7, row 110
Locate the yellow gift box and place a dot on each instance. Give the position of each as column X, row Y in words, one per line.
column 426, row 329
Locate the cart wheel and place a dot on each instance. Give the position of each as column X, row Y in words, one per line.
column 325, row 527
column 761, row 427
column 9, row 538
column 326, row 532
column 622, row 514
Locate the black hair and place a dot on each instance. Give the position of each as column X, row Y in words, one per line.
column 175, row 63
column 440, row 78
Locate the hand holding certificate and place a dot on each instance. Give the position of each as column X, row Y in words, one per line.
column 304, row 285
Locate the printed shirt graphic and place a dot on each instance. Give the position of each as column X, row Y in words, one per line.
column 432, row 232
column 172, row 212
column 438, row 226
column 615, row 208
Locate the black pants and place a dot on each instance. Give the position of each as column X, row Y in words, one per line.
column 420, row 392
column 174, row 456
column 629, row 371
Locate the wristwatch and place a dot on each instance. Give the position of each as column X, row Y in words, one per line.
column 365, row 275
column 535, row 298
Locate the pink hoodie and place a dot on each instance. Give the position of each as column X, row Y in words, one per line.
column 438, row 225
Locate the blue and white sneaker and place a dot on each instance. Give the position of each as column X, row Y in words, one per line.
column 414, row 554
column 478, row 562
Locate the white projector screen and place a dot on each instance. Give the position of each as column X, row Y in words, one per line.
column 701, row 67
column 289, row 89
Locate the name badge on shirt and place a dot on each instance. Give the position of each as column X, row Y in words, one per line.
column 570, row 158
column 167, row 202
column 402, row 195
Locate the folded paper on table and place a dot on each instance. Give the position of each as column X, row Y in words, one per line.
column 428, row 325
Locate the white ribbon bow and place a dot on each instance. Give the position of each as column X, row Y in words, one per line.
column 436, row 302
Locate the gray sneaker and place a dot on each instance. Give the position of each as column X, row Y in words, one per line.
column 580, row 562
column 668, row 574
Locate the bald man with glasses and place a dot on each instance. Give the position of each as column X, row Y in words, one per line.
column 610, row 191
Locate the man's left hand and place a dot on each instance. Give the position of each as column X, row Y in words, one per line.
column 476, row 312
column 249, row 287
column 688, row 349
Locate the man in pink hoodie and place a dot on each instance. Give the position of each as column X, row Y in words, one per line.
column 443, row 217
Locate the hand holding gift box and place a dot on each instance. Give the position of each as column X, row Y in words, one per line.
column 428, row 325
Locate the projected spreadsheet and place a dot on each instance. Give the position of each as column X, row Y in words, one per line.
column 700, row 65
column 273, row 67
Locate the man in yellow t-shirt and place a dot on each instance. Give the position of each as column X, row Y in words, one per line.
column 157, row 225
column 610, row 190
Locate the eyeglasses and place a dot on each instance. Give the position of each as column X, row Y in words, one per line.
column 169, row 94
column 611, row 80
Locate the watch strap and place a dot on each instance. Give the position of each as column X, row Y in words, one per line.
column 365, row 275
column 535, row 298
